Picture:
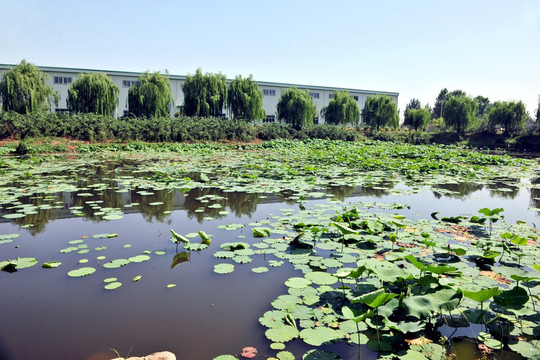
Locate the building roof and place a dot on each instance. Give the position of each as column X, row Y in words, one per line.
column 183, row 77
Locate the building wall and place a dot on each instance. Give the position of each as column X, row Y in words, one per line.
column 61, row 78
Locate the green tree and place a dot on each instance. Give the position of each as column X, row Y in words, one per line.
column 151, row 96
column 484, row 106
column 439, row 103
column 244, row 99
column 538, row 115
column 204, row 94
column 413, row 104
column 24, row 89
column 459, row 112
column 93, row 93
column 511, row 115
column 342, row 109
column 296, row 107
column 417, row 118
column 380, row 110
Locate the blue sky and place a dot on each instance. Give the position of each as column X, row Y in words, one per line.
column 416, row 48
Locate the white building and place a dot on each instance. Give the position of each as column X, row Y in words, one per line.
column 61, row 78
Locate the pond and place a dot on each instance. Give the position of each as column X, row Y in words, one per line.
column 264, row 252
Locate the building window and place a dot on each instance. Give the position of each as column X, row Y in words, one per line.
column 316, row 120
column 128, row 83
column 314, row 95
column 62, row 111
column 62, row 80
column 270, row 119
column 268, row 92
column 331, row 96
column 355, row 97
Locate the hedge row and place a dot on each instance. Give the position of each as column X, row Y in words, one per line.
column 91, row 127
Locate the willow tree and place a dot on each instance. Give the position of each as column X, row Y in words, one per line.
column 510, row 115
column 417, row 118
column 24, row 89
column 296, row 107
column 380, row 110
column 244, row 99
column 204, row 94
column 342, row 109
column 93, row 93
column 459, row 112
column 151, row 96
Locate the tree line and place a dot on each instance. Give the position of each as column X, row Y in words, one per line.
column 23, row 89
column 459, row 111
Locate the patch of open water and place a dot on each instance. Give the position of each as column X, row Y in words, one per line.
column 46, row 314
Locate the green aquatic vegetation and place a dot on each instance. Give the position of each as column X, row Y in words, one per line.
column 84, row 271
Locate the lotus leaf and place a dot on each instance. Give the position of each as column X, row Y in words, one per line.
column 277, row 346
column 223, row 268
column 116, row 263
column 113, row 285
column 321, row 278
column 285, row 355
column 139, row 258
column 282, row 333
column 482, row 295
column 51, row 264
column 84, row 271
column 284, row 302
column 225, row 357
column 316, row 354
column 320, row 335
column 259, row 270
column 297, row 282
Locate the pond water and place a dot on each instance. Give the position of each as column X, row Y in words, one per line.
column 47, row 314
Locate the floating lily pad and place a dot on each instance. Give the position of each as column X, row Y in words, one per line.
column 51, row 264
column 137, row 278
column 297, row 282
column 321, row 278
column 261, row 269
column 223, row 268
column 139, row 258
column 320, row 335
column 109, row 280
column 84, row 271
column 113, row 285
column 170, row 286
column 116, row 263
column 316, row 354
column 282, row 333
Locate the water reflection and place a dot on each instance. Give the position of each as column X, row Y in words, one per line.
column 503, row 188
column 95, row 198
column 535, row 194
column 457, row 190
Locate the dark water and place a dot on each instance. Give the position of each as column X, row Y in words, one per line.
column 47, row 315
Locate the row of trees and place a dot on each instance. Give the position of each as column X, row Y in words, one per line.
column 24, row 89
column 460, row 112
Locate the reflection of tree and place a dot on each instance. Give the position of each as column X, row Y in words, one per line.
column 458, row 190
column 377, row 190
column 242, row 203
column 149, row 212
column 503, row 188
column 340, row 192
column 535, row 194
column 239, row 203
column 37, row 222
